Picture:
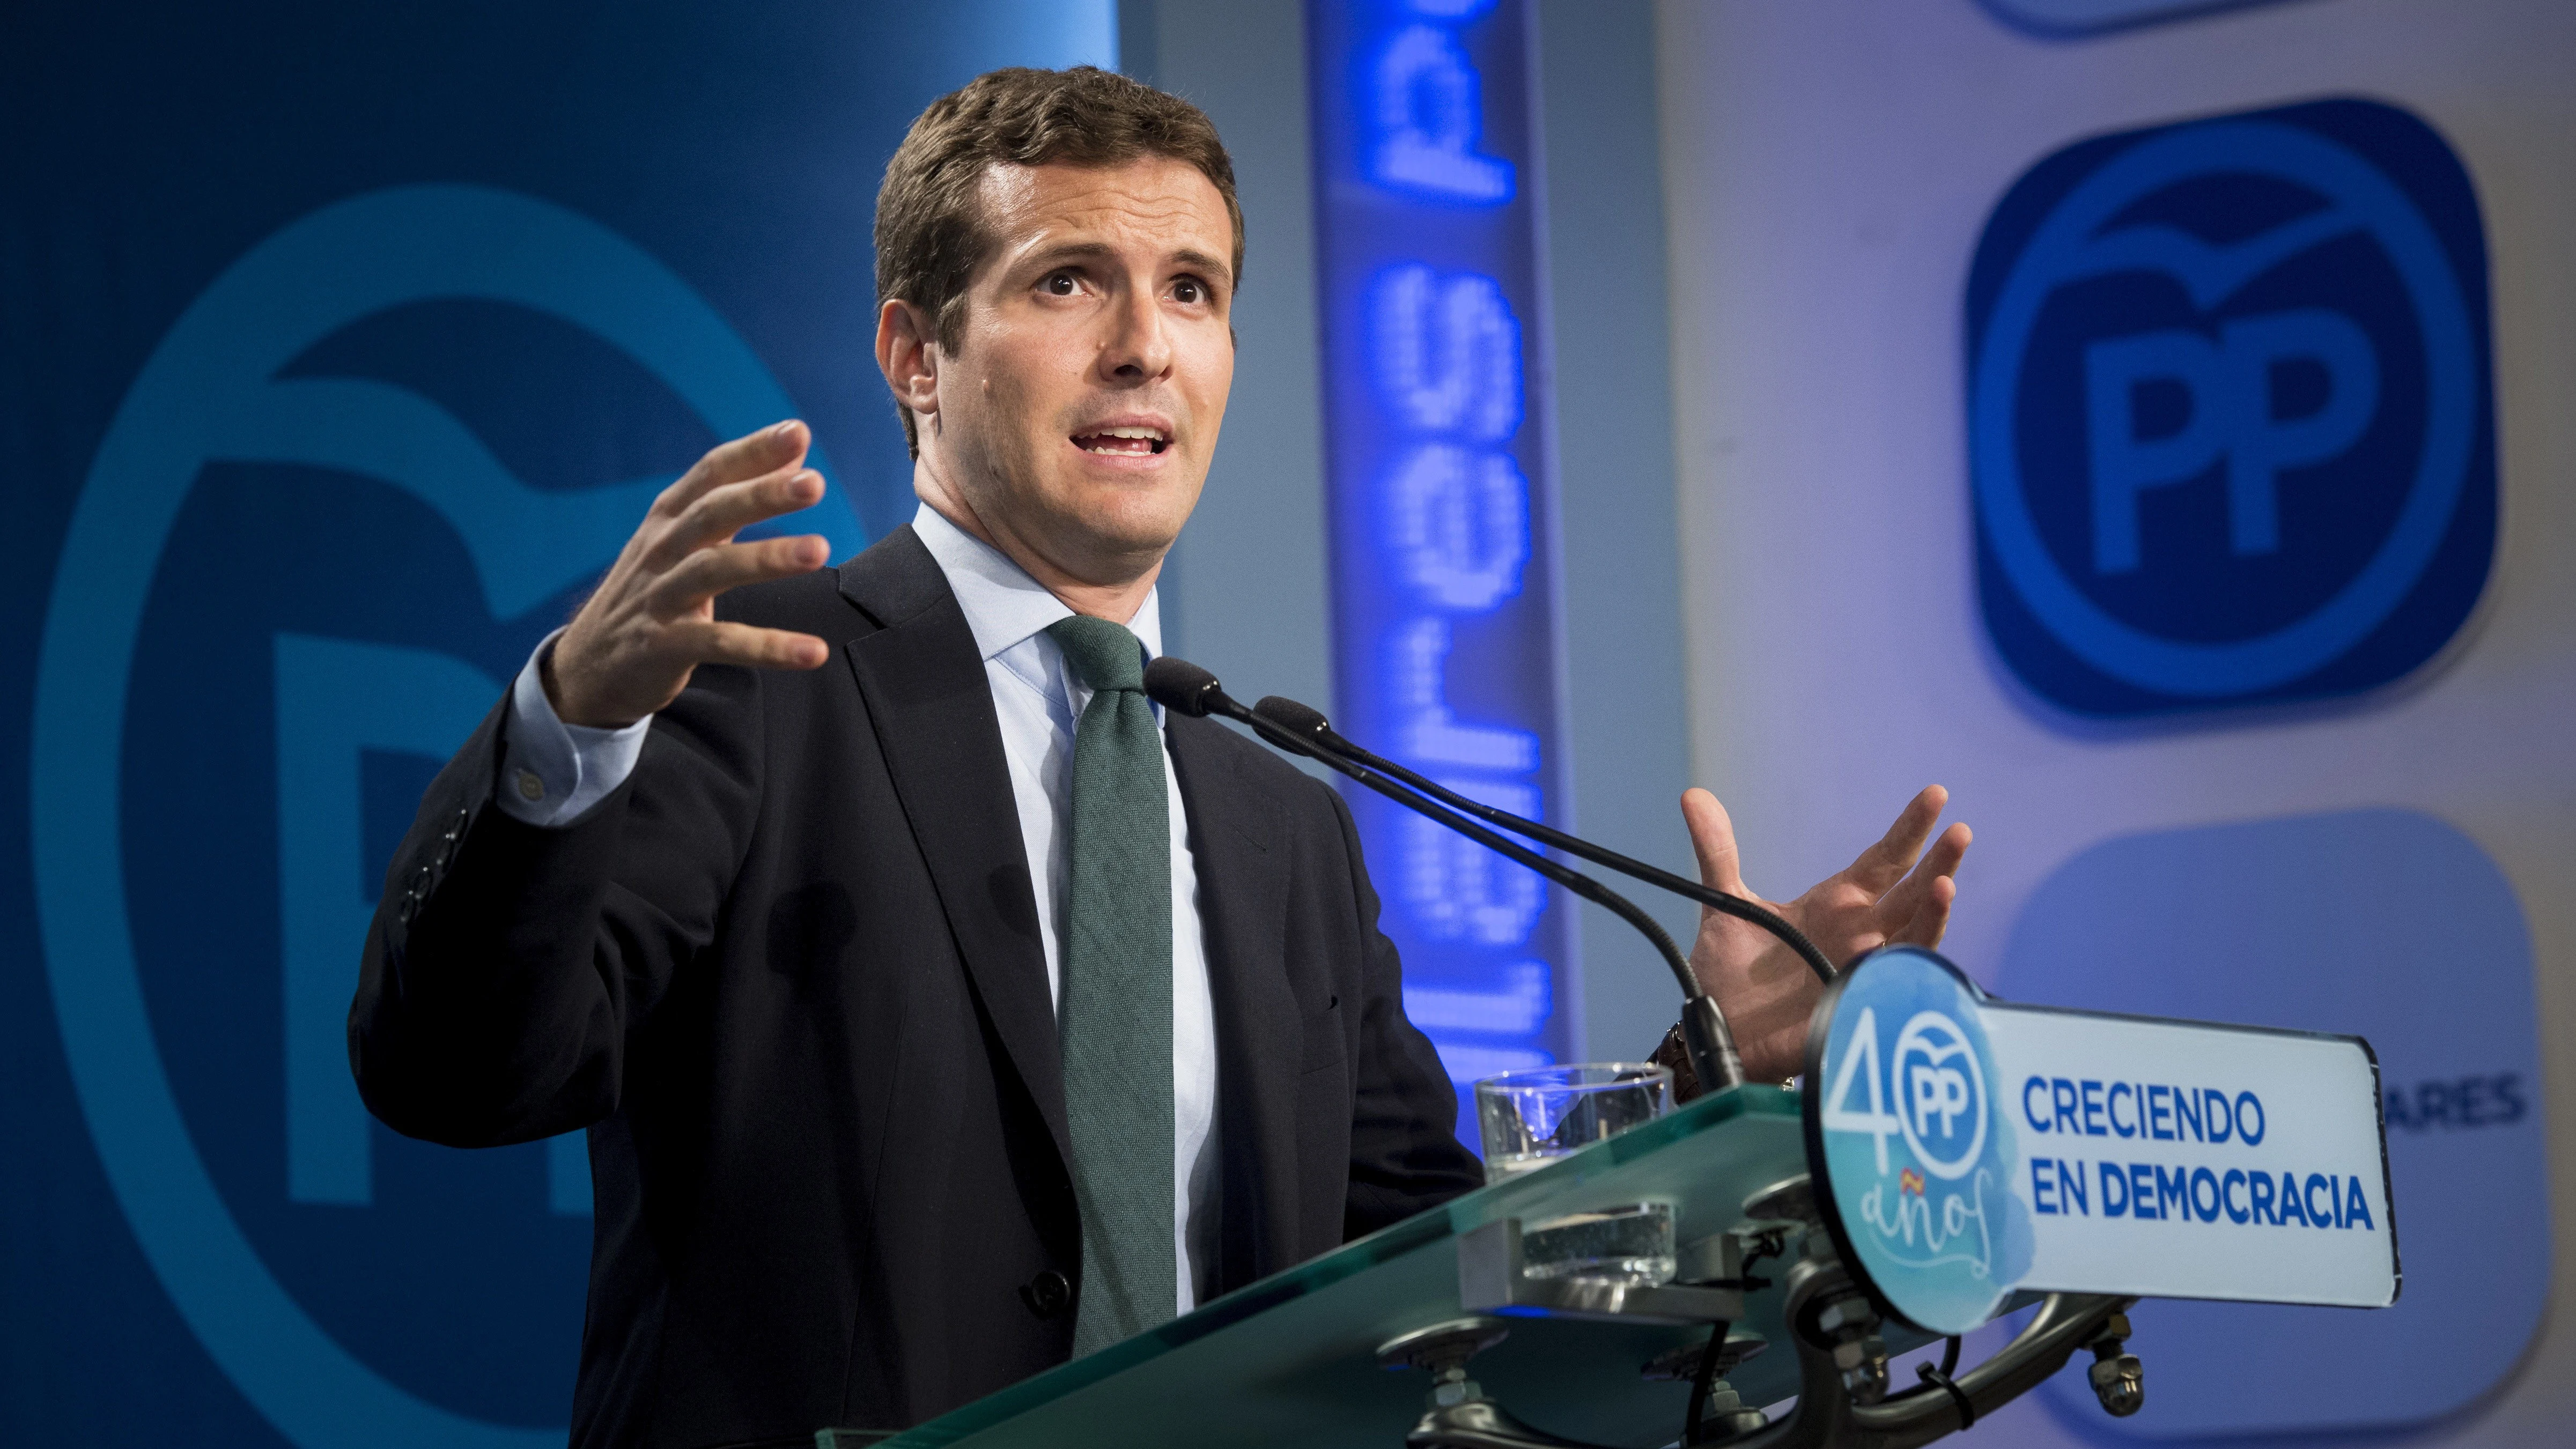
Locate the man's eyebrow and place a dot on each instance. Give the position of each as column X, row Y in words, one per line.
column 1192, row 256
column 1075, row 251
column 1066, row 252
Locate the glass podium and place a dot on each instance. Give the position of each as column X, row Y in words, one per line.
column 1293, row 1359
column 1503, row 1332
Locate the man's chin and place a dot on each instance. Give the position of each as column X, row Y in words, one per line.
column 1129, row 520
column 1146, row 544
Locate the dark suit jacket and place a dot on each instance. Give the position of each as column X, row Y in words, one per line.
column 789, row 977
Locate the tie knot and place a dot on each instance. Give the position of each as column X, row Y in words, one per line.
column 1106, row 655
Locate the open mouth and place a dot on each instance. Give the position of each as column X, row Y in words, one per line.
column 1123, row 442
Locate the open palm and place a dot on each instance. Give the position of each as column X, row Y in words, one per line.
column 1896, row 891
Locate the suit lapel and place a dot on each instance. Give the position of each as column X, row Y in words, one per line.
column 926, row 692
column 1243, row 909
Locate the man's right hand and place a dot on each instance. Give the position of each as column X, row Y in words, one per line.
column 652, row 622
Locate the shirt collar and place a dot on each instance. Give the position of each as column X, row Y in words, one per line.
column 1003, row 605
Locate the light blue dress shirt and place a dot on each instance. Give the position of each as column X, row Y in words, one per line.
column 552, row 773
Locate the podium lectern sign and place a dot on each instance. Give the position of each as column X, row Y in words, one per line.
column 1973, row 1150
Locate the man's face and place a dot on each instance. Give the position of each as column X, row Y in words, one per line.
column 1079, row 412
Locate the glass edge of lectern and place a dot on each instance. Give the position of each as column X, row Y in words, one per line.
column 1450, row 1219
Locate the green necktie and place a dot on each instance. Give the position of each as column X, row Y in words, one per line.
column 1114, row 1006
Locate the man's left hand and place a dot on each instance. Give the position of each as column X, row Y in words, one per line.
column 1896, row 892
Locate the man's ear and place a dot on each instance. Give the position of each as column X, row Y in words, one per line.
column 908, row 355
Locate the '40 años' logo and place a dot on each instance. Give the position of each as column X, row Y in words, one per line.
column 1918, row 1161
column 1938, row 1092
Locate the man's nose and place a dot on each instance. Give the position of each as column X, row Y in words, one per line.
column 1137, row 346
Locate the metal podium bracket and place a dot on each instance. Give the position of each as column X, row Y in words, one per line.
column 1493, row 1277
column 1458, row 1415
column 1826, row 1417
column 1843, row 1401
column 2118, row 1380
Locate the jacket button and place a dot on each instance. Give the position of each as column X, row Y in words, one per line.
column 1047, row 1293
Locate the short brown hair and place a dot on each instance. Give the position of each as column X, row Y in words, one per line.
column 930, row 219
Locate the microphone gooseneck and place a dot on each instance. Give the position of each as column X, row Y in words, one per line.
column 1180, row 685
column 1309, row 725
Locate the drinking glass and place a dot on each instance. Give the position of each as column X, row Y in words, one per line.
column 1530, row 1118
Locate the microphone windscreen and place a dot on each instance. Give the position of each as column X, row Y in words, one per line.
column 1178, row 684
column 1289, row 714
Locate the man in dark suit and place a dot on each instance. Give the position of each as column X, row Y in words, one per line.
column 936, row 1010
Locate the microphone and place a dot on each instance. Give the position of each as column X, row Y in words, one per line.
column 1177, row 684
column 1310, row 726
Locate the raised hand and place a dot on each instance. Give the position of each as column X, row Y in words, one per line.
column 1895, row 892
column 652, row 621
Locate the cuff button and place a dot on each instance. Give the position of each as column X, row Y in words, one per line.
column 1048, row 1294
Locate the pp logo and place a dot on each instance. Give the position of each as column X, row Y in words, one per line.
column 2230, row 416
column 313, row 1272
column 1942, row 1095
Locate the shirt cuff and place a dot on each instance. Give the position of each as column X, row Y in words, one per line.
column 552, row 773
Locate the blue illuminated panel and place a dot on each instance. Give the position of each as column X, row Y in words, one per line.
column 1444, row 559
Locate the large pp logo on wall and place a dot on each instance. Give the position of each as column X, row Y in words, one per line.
column 301, row 566
column 2231, row 426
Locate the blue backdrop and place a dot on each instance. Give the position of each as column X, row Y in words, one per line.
column 343, row 348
